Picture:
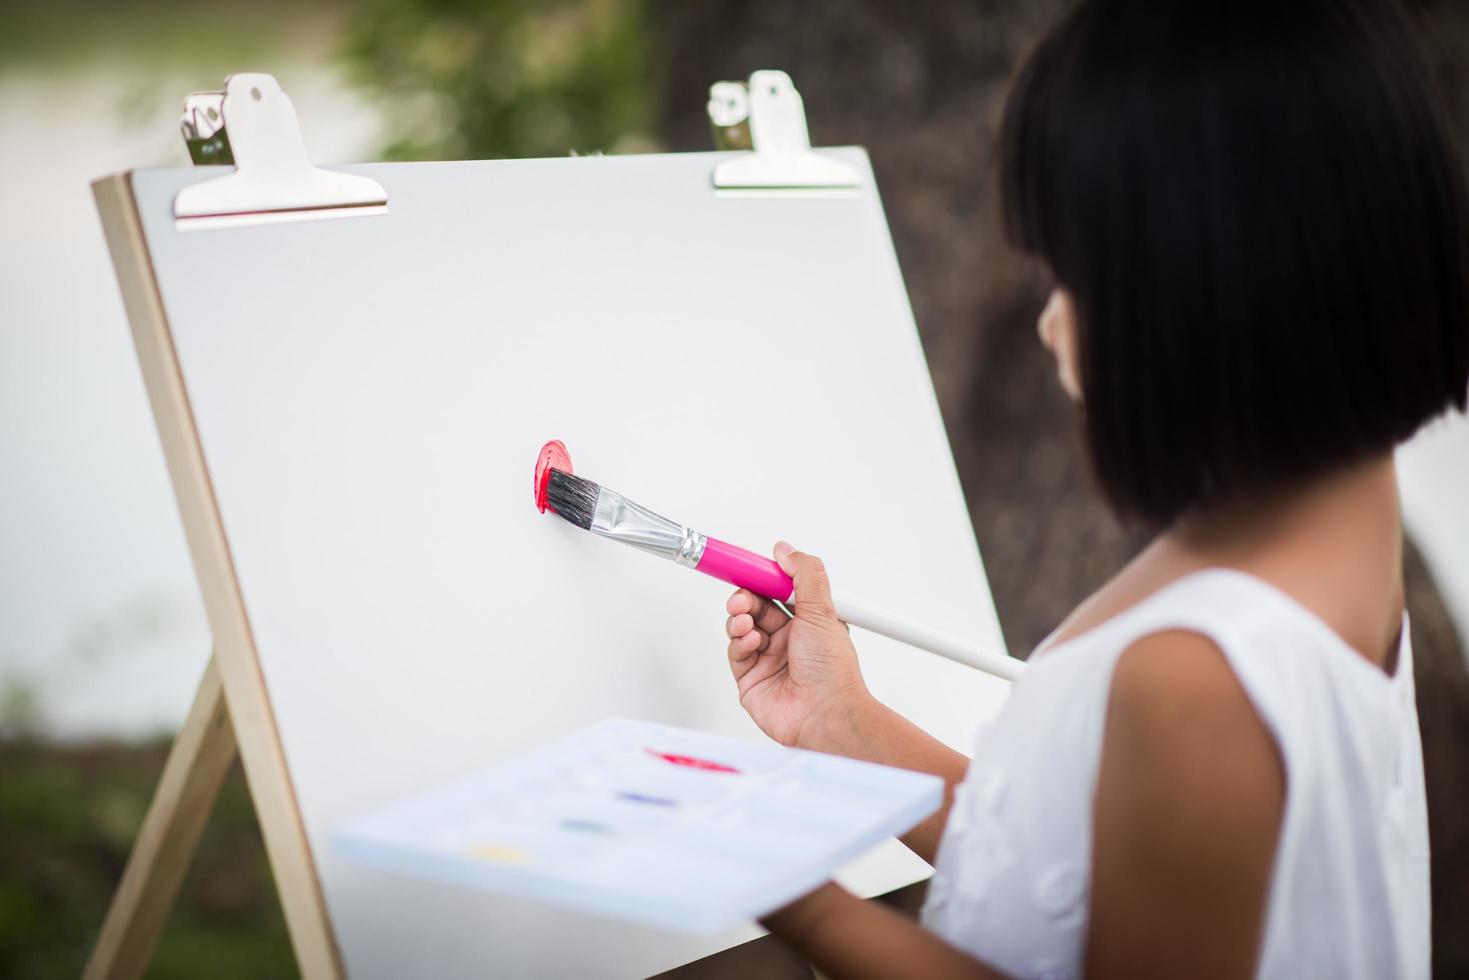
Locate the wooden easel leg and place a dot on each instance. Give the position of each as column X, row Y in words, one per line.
column 195, row 770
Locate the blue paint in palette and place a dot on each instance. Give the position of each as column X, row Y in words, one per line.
column 645, row 798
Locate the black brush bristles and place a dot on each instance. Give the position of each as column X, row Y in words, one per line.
column 572, row 498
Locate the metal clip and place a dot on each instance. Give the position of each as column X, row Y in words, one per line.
column 729, row 115
column 253, row 125
column 203, row 127
column 770, row 114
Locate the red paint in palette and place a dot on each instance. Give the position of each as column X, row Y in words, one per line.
column 692, row 762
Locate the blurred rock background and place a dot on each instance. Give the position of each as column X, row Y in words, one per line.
column 99, row 605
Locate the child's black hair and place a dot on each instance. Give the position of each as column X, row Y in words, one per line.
column 1260, row 216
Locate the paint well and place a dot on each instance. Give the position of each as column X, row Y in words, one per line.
column 692, row 762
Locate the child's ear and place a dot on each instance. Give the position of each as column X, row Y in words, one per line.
column 1057, row 327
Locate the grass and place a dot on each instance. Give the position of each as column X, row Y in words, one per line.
column 68, row 815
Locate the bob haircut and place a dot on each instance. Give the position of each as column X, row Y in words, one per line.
column 1264, row 226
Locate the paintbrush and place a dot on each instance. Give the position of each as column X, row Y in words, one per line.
column 611, row 515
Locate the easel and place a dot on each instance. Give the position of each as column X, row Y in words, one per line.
column 275, row 181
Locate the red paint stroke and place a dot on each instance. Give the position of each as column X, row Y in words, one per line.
column 553, row 457
column 692, row 762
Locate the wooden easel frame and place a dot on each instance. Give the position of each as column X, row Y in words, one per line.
column 232, row 708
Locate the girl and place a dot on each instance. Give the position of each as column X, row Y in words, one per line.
column 1259, row 235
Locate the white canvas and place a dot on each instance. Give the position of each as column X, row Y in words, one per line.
column 371, row 394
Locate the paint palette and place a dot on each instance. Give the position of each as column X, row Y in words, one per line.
column 649, row 823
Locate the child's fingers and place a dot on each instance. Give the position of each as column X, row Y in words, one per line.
column 766, row 615
column 744, row 649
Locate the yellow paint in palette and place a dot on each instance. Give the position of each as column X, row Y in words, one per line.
column 499, row 852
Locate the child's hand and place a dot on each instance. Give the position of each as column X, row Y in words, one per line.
column 798, row 677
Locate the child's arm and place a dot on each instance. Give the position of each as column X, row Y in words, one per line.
column 845, row 937
column 798, row 677
column 871, row 731
column 1189, row 803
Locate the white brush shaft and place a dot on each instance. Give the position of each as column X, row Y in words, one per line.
column 884, row 623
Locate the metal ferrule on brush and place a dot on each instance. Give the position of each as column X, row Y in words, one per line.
column 620, row 519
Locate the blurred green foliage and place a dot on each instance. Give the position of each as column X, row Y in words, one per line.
column 455, row 79
column 20, row 708
column 148, row 37
column 70, row 816
column 474, row 79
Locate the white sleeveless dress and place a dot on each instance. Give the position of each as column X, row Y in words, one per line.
column 1349, row 889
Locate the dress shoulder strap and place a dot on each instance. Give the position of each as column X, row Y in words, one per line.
column 1269, row 639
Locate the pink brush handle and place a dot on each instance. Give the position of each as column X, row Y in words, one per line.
column 762, row 576
column 745, row 570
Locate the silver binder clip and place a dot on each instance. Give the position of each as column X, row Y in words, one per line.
column 729, row 115
column 253, row 125
column 770, row 110
column 203, row 128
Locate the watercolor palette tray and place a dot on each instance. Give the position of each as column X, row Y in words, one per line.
column 648, row 823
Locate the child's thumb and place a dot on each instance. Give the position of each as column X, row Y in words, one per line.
column 812, row 588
